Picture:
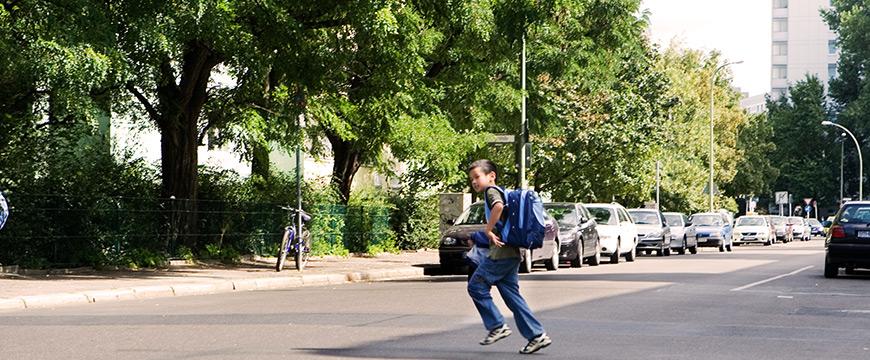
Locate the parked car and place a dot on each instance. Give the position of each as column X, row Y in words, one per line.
column 653, row 232
column 816, row 226
column 753, row 229
column 783, row 228
column 799, row 228
column 683, row 234
column 577, row 235
column 713, row 230
column 616, row 232
column 848, row 244
column 456, row 241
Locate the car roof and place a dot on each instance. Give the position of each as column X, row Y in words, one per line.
column 673, row 213
column 642, row 209
column 611, row 206
column 561, row 204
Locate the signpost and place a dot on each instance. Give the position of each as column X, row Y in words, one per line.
column 781, row 200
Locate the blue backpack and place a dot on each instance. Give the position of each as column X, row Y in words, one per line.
column 524, row 226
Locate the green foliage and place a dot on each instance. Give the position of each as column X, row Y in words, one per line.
column 806, row 154
column 367, row 223
column 415, row 220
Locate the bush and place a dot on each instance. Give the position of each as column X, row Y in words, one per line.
column 415, row 220
column 367, row 223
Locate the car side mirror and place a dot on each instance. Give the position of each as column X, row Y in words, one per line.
column 451, row 222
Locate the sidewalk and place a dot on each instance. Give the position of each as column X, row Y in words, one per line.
column 19, row 292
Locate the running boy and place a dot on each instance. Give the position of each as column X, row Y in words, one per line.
column 500, row 268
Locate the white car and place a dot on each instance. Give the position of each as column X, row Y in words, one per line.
column 684, row 235
column 753, row 229
column 616, row 232
column 800, row 228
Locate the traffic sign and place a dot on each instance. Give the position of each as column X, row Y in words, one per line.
column 782, row 197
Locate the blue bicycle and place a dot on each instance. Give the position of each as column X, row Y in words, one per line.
column 297, row 246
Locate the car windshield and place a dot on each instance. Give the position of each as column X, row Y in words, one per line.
column 750, row 221
column 564, row 215
column 674, row 219
column 795, row 220
column 707, row 220
column 815, row 222
column 474, row 215
column 855, row 214
column 645, row 217
column 777, row 221
column 603, row 216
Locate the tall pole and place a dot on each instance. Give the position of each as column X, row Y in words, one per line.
column 299, row 175
column 860, row 158
column 524, row 126
column 712, row 84
column 842, row 156
column 658, row 184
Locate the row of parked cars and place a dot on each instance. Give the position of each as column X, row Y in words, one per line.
column 579, row 234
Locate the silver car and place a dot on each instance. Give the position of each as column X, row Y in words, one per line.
column 653, row 232
column 683, row 235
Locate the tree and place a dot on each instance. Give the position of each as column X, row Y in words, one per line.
column 805, row 151
column 756, row 171
column 850, row 20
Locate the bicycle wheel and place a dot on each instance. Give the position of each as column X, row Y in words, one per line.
column 303, row 251
column 282, row 252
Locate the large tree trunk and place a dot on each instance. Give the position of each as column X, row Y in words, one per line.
column 180, row 106
column 346, row 163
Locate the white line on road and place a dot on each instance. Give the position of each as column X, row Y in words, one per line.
column 744, row 287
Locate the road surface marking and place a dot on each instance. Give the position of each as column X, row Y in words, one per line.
column 744, row 287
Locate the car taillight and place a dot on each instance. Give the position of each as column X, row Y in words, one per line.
column 837, row 232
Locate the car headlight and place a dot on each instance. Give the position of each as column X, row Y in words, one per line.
column 655, row 234
column 448, row 241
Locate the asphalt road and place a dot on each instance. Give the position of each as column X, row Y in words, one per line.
column 755, row 303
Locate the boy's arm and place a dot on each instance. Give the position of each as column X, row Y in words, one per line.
column 494, row 216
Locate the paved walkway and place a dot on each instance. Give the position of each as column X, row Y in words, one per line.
column 49, row 290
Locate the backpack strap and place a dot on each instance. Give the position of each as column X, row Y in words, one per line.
column 505, row 229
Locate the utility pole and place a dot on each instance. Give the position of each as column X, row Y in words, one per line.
column 524, row 125
column 658, row 184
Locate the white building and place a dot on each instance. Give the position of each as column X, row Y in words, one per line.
column 802, row 44
column 754, row 104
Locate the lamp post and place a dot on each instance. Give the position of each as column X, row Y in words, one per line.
column 860, row 158
column 712, row 83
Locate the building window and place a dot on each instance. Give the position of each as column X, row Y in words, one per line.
column 780, row 48
column 780, row 25
column 778, row 92
column 780, row 4
column 779, row 72
column 832, row 71
column 832, row 47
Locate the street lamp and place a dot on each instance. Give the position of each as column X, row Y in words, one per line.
column 860, row 158
column 712, row 83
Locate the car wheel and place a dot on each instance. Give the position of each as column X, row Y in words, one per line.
column 553, row 263
column 614, row 258
column 596, row 259
column 526, row 263
column 631, row 255
column 685, row 245
column 647, row 252
column 831, row 270
column 667, row 251
column 693, row 250
column 660, row 253
column 578, row 261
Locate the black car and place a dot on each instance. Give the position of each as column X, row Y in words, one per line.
column 577, row 235
column 848, row 242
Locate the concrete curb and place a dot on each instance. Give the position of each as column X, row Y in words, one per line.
column 216, row 287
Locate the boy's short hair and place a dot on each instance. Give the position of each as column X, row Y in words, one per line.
column 485, row 165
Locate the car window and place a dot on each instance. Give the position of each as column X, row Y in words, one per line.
column 777, row 221
column 623, row 215
column 707, row 220
column 585, row 213
column 855, row 214
column 645, row 217
column 750, row 221
column 795, row 220
column 602, row 216
column 564, row 215
column 474, row 215
column 674, row 219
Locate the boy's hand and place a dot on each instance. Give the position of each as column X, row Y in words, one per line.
column 494, row 240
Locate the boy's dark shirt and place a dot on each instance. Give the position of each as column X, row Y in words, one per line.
column 492, row 197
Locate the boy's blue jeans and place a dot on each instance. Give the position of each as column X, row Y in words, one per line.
column 503, row 274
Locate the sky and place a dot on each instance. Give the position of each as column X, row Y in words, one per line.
column 739, row 29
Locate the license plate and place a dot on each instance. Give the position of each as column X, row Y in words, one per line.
column 749, row 238
column 864, row 234
column 703, row 235
column 702, row 240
